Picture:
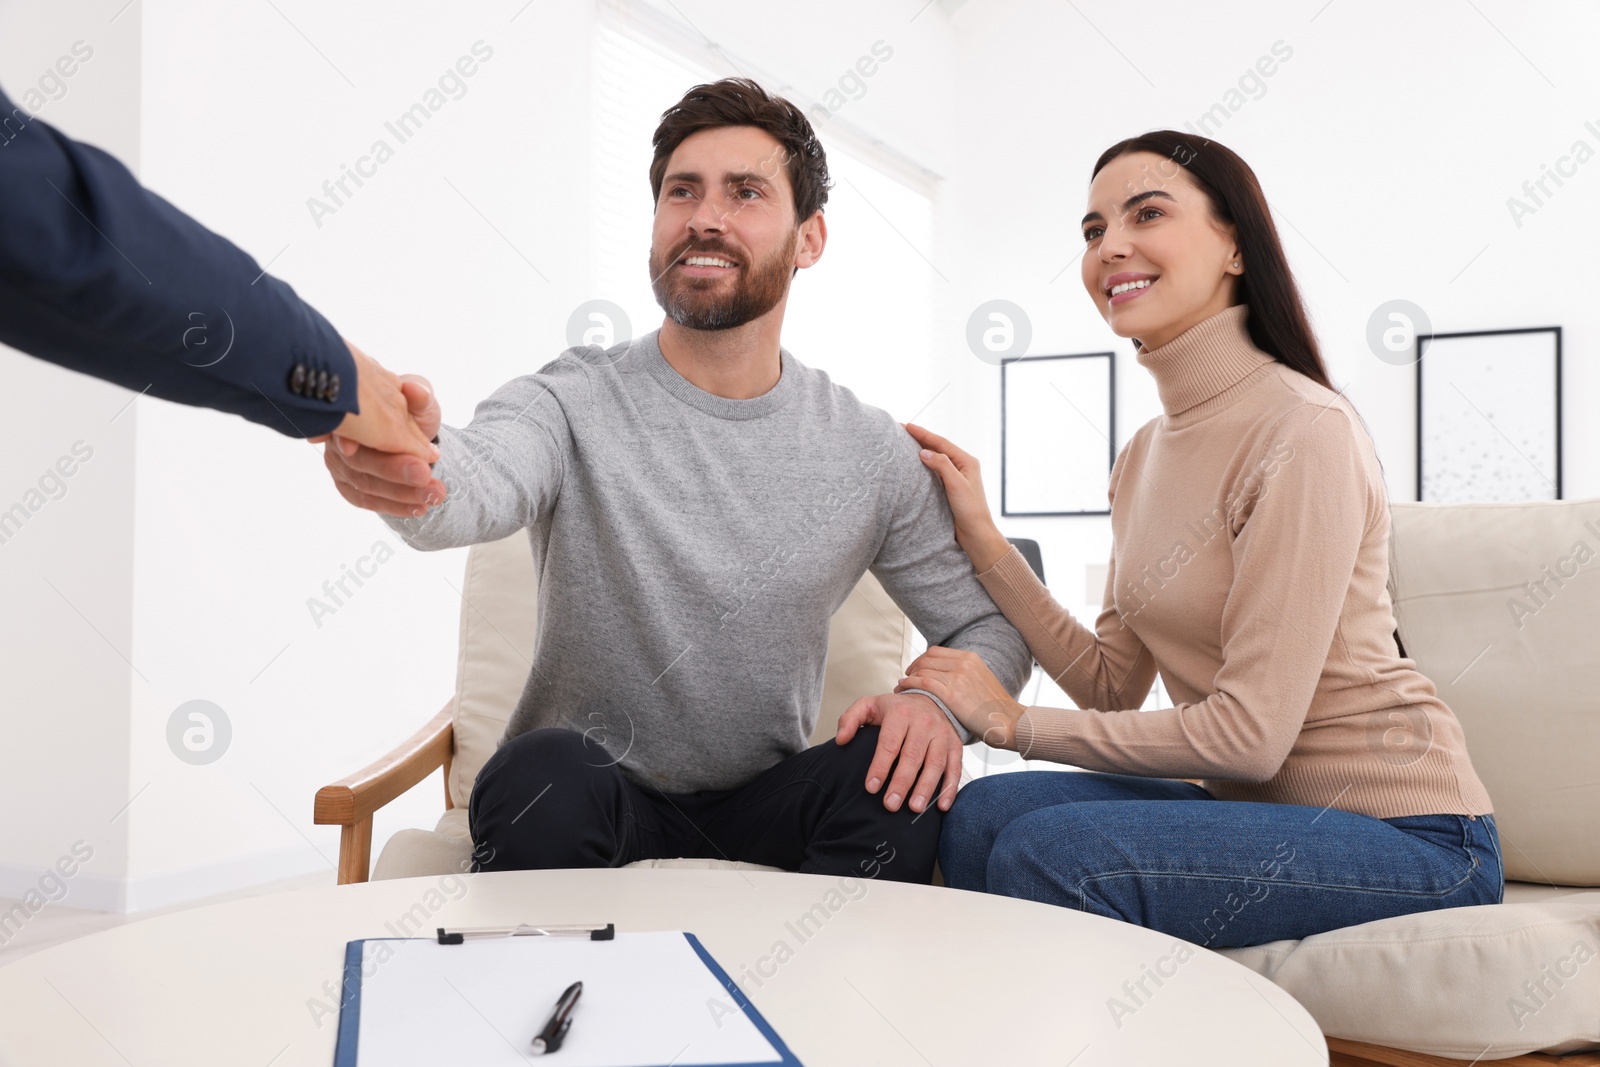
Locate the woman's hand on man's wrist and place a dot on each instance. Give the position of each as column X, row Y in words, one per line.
column 967, row 686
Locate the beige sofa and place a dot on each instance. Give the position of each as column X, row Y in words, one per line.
column 1447, row 983
column 1496, row 607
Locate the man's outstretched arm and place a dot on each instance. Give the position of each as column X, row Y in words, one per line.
column 496, row 475
column 100, row 275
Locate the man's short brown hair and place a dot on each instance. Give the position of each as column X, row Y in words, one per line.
column 741, row 102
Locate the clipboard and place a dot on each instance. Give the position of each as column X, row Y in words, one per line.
column 650, row 999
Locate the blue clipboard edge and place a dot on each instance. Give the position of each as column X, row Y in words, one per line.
column 346, row 1045
column 761, row 1024
column 344, row 1050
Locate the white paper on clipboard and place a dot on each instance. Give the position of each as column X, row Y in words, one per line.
column 649, row 999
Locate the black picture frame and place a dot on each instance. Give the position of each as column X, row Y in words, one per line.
column 1010, row 387
column 1421, row 344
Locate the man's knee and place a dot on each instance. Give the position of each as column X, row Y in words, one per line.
column 553, row 747
column 910, row 845
column 553, row 757
column 539, row 798
column 852, row 760
column 842, row 769
column 858, row 751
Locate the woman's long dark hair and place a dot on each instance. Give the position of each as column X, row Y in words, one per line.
column 1277, row 321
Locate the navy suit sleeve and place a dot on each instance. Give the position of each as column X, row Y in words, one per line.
column 100, row 275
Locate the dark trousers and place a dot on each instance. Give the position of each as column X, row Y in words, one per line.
column 548, row 798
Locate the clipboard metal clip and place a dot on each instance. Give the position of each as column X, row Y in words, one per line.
column 591, row 932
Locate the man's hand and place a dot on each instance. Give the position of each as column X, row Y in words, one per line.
column 386, row 422
column 387, row 482
column 970, row 690
column 913, row 728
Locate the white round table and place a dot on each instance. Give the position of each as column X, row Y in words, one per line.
column 887, row 974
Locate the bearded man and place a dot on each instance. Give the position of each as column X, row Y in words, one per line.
column 699, row 503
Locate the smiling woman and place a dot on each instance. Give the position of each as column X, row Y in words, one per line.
column 1203, row 226
column 1275, row 637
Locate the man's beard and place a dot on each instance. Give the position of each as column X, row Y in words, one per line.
column 693, row 303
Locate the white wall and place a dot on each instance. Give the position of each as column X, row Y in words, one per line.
column 66, row 577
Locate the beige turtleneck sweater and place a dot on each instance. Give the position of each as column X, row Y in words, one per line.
column 1249, row 565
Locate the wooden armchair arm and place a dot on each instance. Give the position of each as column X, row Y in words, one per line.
column 350, row 802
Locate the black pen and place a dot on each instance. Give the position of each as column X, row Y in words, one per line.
column 550, row 1037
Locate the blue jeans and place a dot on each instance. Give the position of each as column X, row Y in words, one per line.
column 1167, row 855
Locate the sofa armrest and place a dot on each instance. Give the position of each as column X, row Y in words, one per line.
column 350, row 802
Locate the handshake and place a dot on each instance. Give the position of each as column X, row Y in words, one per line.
column 381, row 459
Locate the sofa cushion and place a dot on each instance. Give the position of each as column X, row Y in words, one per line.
column 495, row 653
column 1497, row 605
column 1538, row 892
column 1474, row 983
column 704, row 865
column 869, row 647
column 869, row 644
column 412, row 853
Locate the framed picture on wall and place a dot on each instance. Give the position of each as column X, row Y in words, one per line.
column 1057, row 434
column 1489, row 416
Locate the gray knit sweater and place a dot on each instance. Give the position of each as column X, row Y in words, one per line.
column 691, row 550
